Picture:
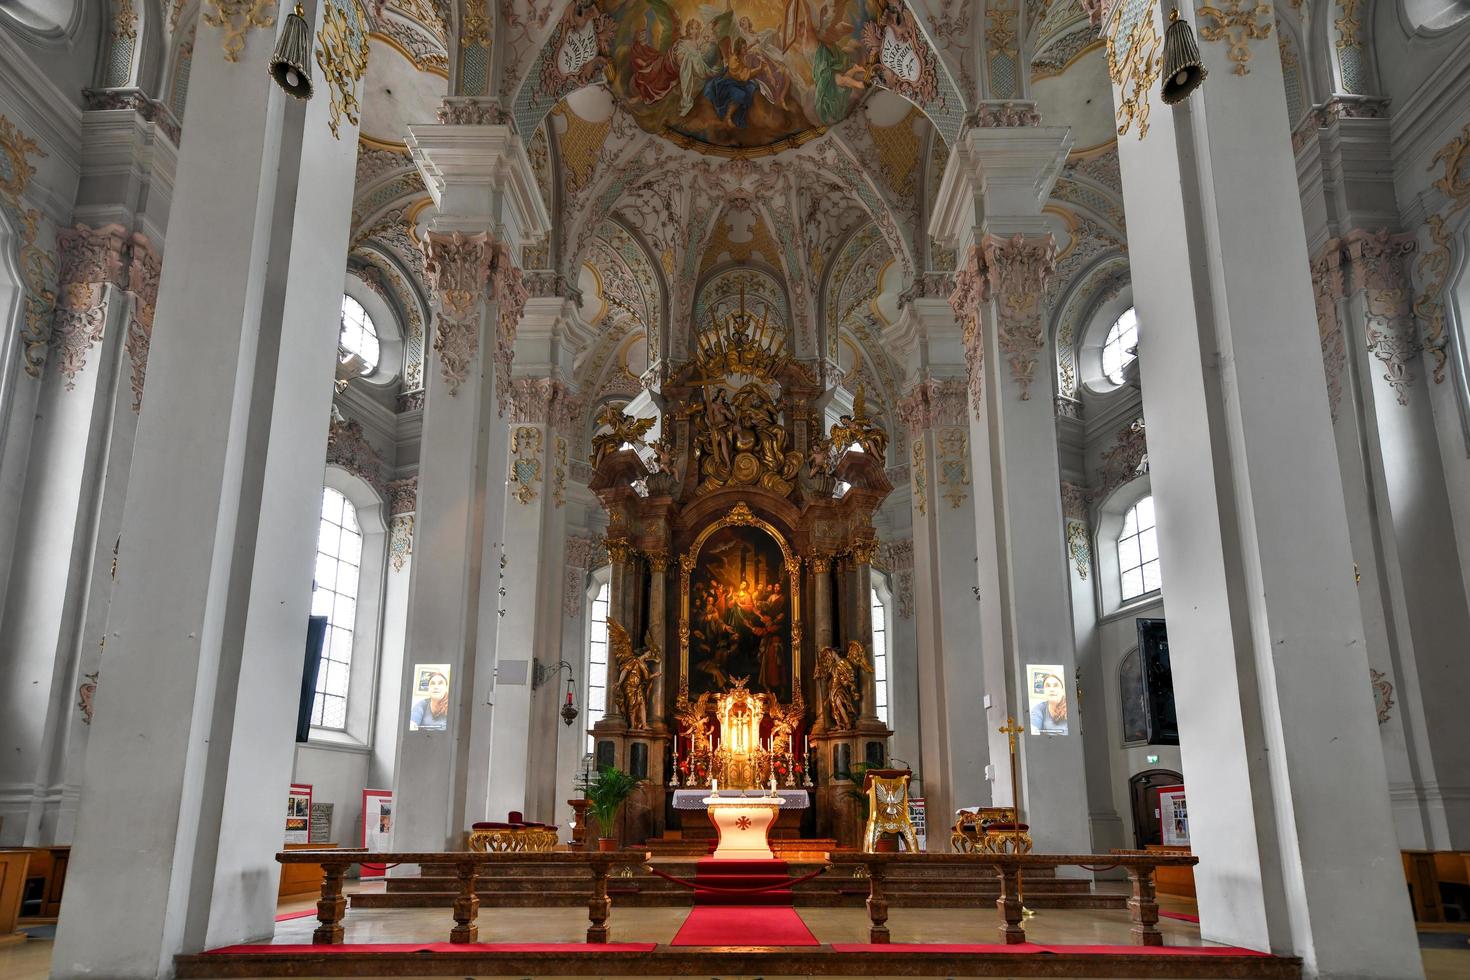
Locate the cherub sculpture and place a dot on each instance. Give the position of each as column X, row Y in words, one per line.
column 621, row 430
column 636, row 674
column 695, row 720
column 784, row 719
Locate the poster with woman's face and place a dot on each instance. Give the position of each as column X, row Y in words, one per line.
column 1046, row 690
column 429, row 698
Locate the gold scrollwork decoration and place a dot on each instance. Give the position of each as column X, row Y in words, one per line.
column 342, row 53
column 1133, row 65
column 1237, row 24
column 238, row 17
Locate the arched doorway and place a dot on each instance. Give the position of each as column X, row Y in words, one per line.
column 1143, row 791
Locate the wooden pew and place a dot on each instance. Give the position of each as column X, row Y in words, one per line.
column 1142, row 906
column 332, row 906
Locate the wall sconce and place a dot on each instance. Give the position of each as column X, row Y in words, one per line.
column 1183, row 72
column 543, row 672
column 290, row 65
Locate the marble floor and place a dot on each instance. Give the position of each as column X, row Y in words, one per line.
column 31, row 960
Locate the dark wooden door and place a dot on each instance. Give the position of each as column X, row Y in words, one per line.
column 1142, row 788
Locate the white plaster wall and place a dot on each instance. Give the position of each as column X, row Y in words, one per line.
column 1116, row 637
column 338, row 776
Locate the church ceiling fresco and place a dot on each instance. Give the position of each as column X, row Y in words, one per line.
column 755, row 76
column 767, row 76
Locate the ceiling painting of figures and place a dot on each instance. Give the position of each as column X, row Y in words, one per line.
column 740, row 74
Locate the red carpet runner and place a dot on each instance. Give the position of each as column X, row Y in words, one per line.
column 727, row 912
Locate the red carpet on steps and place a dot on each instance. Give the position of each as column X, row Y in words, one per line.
column 743, row 925
column 729, row 911
column 734, row 883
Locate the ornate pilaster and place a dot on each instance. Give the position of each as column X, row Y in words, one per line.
column 91, row 260
column 1379, row 264
column 971, row 291
column 403, row 504
column 1017, row 269
column 143, row 273
column 349, row 448
column 457, row 267
column 584, row 553
column 1328, row 290
column 1079, row 537
column 898, row 561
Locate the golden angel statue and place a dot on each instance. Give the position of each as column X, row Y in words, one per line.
column 843, row 695
column 636, row 675
column 696, row 720
column 858, row 429
column 784, row 719
column 621, row 430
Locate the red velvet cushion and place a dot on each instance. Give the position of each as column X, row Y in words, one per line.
column 516, row 816
column 490, row 826
column 1008, row 826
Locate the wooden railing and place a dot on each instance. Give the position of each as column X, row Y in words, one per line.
column 331, row 907
column 1142, row 907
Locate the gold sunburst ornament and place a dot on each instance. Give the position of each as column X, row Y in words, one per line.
column 342, row 53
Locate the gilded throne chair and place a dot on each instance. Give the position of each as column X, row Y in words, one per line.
column 888, row 808
column 990, row 830
column 516, row 833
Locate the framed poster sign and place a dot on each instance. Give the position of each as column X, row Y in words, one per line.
column 377, row 826
column 298, row 814
column 429, row 695
column 1173, row 816
column 1046, row 692
column 917, row 814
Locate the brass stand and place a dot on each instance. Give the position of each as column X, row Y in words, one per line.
column 1010, row 729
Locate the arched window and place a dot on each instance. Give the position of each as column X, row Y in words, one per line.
column 1117, row 350
column 597, row 661
column 338, row 560
column 1138, row 551
column 880, row 656
column 359, row 336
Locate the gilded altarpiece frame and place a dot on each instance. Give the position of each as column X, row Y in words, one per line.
column 745, row 524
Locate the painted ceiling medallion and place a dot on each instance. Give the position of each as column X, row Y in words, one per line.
column 749, row 75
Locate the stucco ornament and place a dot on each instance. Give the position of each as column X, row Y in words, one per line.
column 1018, row 268
column 237, row 18
column 1133, row 61
column 91, row 260
column 143, row 274
column 342, row 53
column 457, row 268
column 1382, row 694
column 1238, row 24
column 971, row 288
column 1434, row 264
column 36, row 265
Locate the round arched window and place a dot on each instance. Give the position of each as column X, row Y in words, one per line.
column 1117, row 351
column 359, row 336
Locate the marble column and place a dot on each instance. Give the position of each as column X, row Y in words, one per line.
column 989, row 209
column 821, row 566
column 658, row 635
column 1274, row 709
column 1411, row 587
column 953, row 752
column 191, row 743
column 860, row 583
column 486, row 210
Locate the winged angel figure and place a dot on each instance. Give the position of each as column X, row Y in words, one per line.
column 636, row 674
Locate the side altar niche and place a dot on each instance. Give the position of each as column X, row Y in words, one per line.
column 741, row 544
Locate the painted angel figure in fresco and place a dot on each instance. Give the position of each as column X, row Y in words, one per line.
column 636, row 675
column 695, row 56
column 834, row 73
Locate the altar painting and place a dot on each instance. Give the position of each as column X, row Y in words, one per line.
column 740, row 75
column 740, row 614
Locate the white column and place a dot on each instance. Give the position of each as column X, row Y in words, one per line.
column 192, row 736
column 487, row 209
column 1411, row 585
column 951, row 688
column 522, row 734
column 1295, row 857
column 990, row 209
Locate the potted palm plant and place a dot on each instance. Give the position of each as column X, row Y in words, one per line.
column 608, row 794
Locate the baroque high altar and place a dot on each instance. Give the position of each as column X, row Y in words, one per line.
column 741, row 542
